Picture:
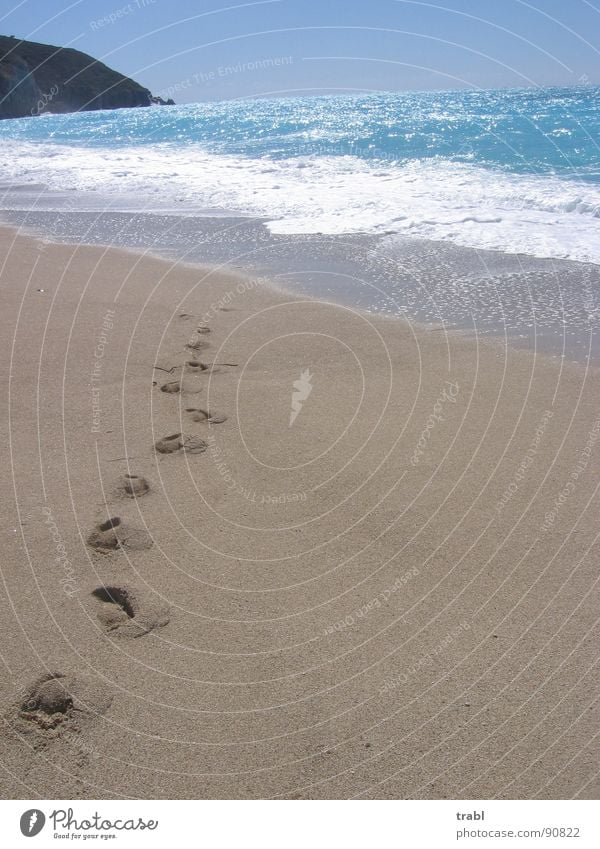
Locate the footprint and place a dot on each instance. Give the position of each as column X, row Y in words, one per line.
column 49, row 701
column 196, row 367
column 133, row 486
column 113, row 534
column 198, row 415
column 198, row 344
column 180, row 441
column 203, row 329
column 55, row 700
column 194, row 445
column 169, row 444
column 183, row 386
column 124, row 611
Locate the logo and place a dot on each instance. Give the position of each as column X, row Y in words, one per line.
column 302, row 389
column 32, row 822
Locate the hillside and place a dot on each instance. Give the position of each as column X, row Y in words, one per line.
column 37, row 78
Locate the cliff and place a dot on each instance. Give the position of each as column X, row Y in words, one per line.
column 38, row 78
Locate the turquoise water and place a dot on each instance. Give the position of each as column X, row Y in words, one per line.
column 549, row 131
column 511, row 170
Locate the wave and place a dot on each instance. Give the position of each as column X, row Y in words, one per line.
column 435, row 198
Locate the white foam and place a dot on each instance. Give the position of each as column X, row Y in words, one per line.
column 434, row 199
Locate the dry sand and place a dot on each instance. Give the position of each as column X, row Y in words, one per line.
column 345, row 607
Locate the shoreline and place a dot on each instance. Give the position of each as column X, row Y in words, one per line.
column 268, row 630
column 547, row 306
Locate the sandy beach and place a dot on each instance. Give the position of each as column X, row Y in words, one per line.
column 356, row 557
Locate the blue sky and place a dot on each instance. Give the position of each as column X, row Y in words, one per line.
column 219, row 49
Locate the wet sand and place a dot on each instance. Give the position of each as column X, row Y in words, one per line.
column 363, row 563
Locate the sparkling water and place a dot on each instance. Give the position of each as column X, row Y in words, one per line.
column 510, row 170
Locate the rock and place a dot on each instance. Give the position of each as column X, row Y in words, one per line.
column 158, row 101
column 38, row 78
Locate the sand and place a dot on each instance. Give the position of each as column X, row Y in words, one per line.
column 361, row 560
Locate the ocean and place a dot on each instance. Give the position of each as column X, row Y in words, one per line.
column 514, row 173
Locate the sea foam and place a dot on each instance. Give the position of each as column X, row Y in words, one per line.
column 517, row 172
